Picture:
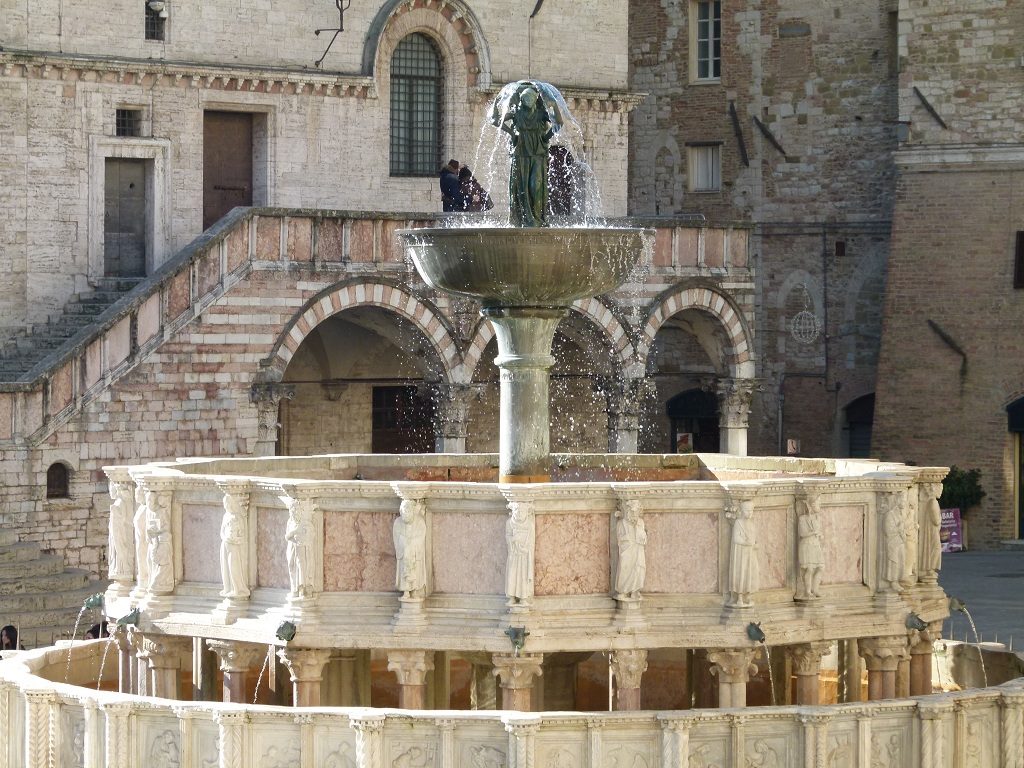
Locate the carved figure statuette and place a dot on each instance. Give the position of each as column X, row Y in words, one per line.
column 809, row 551
column 410, row 537
column 631, row 535
column 519, row 534
column 158, row 531
column 298, row 535
column 233, row 565
column 743, row 570
column 121, row 549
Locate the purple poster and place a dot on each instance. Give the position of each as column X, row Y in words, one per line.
column 951, row 532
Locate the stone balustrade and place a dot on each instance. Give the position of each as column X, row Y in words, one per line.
column 44, row 723
column 426, row 553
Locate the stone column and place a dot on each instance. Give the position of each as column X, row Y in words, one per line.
column 483, row 692
column 733, row 666
column 453, row 401
column 628, row 667
column 675, row 742
column 39, row 731
column 522, row 734
column 411, row 668
column 231, row 737
column 236, row 659
column 734, row 396
column 882, row 656
column 849, row 672
column 524, row 336
column 204, row 671
column 368, row 728
column 516, row 675
column 117, row 734
column 1012, row 728
column 306, row 667
column 806, row 666
column 345, row 674
column 932, row 714
column 704, row 691
column 125, row 658
column 140, row 667
column 267, row 396
column 921, row 644
column 625, row 400
column 163, row 654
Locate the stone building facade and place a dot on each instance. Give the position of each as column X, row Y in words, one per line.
column 797, row 119
column 951, row 370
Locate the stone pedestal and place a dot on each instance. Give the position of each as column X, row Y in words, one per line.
column 806, row 659
column 734, row 396
column 411, row 668
column 628, row 668
column 305, row 667
column 882, row 656
column 524, row 336
column 733, row 667
column 236, row 659
column 516, row 675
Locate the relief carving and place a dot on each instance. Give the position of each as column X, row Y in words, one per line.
column 410, row 537
column 163, row 751
column 743, row 570
column 121, row 549
column 233, row 546
column 631, row 535
column 810, row 551
column 519, row 535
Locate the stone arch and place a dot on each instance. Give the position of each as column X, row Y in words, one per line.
column 597, row 312
column 452, row 24
column 715, row 303
column 358, row 292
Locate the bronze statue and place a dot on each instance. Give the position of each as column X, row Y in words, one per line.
column 524, row 111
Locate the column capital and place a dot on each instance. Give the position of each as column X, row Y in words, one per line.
column 628, row 666
column 517, row 671
column 304, row 664
column 410, row 666
column 883, row 653
column 733, row 665
column 734, row 396
column 235, row 656
column 366, row 722
column 163, row 651
column 928, row 710
column 807, row 656
column 521, row 725
column 453, row 401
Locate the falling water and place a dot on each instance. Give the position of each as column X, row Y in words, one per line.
column 103, row 660
column 771, row 672
column 74, row 635
column 263, row 671
column 977, row 644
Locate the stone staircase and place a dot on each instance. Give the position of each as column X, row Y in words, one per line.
column 38, row 595
column 23, row 353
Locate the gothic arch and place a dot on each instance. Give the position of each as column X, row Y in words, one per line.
column 451, row 23
column 594, row 310
column 709, row 300
column 361, row 292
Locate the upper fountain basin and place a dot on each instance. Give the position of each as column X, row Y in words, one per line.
column 525, row 267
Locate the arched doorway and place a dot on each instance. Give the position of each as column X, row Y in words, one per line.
column 858, row 418
column 363, row 384
column 693, row 416
column 1015, row 424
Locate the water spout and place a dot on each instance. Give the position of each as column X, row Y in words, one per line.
column 285, row 631
column 517, row 635
column 755, row 633
column 914, row 621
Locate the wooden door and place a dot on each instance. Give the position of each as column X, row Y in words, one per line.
column 227, row 163
column 124, row 219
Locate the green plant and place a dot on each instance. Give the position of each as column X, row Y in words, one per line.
column 961, row 489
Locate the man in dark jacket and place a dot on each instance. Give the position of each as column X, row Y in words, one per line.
column 451, row 192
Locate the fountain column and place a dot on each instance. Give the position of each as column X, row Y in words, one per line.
column 516, row 674
column 733, row 666
column 807, row 666
column 236, row 659
column 628, row 668
column 524, row 336
column 306, row 668
column 734, row 397
column 164, row 656
column 921, row 660
column 411, row 668
column 882, row 657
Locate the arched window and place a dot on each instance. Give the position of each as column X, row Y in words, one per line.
column 57, row 481
column 416, row 101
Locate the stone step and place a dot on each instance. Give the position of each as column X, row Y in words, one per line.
column 43, row 565
column 61, row 581
column 19, row 553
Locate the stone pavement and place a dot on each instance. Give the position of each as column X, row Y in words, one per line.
column 992, row 586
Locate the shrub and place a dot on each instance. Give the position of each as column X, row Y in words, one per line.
column 961, row 489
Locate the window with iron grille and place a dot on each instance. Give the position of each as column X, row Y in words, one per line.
column 128, row 122
column 706, row 40
column 155, row 23
column 416, row 99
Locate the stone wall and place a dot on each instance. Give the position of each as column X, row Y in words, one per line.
column 321, row 136
column 957, row 214
column 822, row 81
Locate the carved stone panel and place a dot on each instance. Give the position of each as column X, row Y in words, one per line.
column 774, row 546
column 481, row 754
column 200, row 532
column 359, row 553
column 468, row 553
column 628, row 753
column 572, row 554
column 842, row 529
column 705, row 753
column 408, row 753
column 275, row 746
column 559, row 756
column 72, row 732
column 682, row 552
column 270, row 547
column 841, row 746
column 764, row 751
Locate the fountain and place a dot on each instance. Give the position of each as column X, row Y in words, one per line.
column 684, row 564
column 526, row 276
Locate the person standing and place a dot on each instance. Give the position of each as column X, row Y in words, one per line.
column 474, row 197
column 451, row 192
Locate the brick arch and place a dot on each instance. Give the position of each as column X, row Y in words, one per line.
column 366, row 293
column 592, row 309
column 716, row 304
column 452, row 24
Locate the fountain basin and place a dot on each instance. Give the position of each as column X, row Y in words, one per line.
column 512, row 267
